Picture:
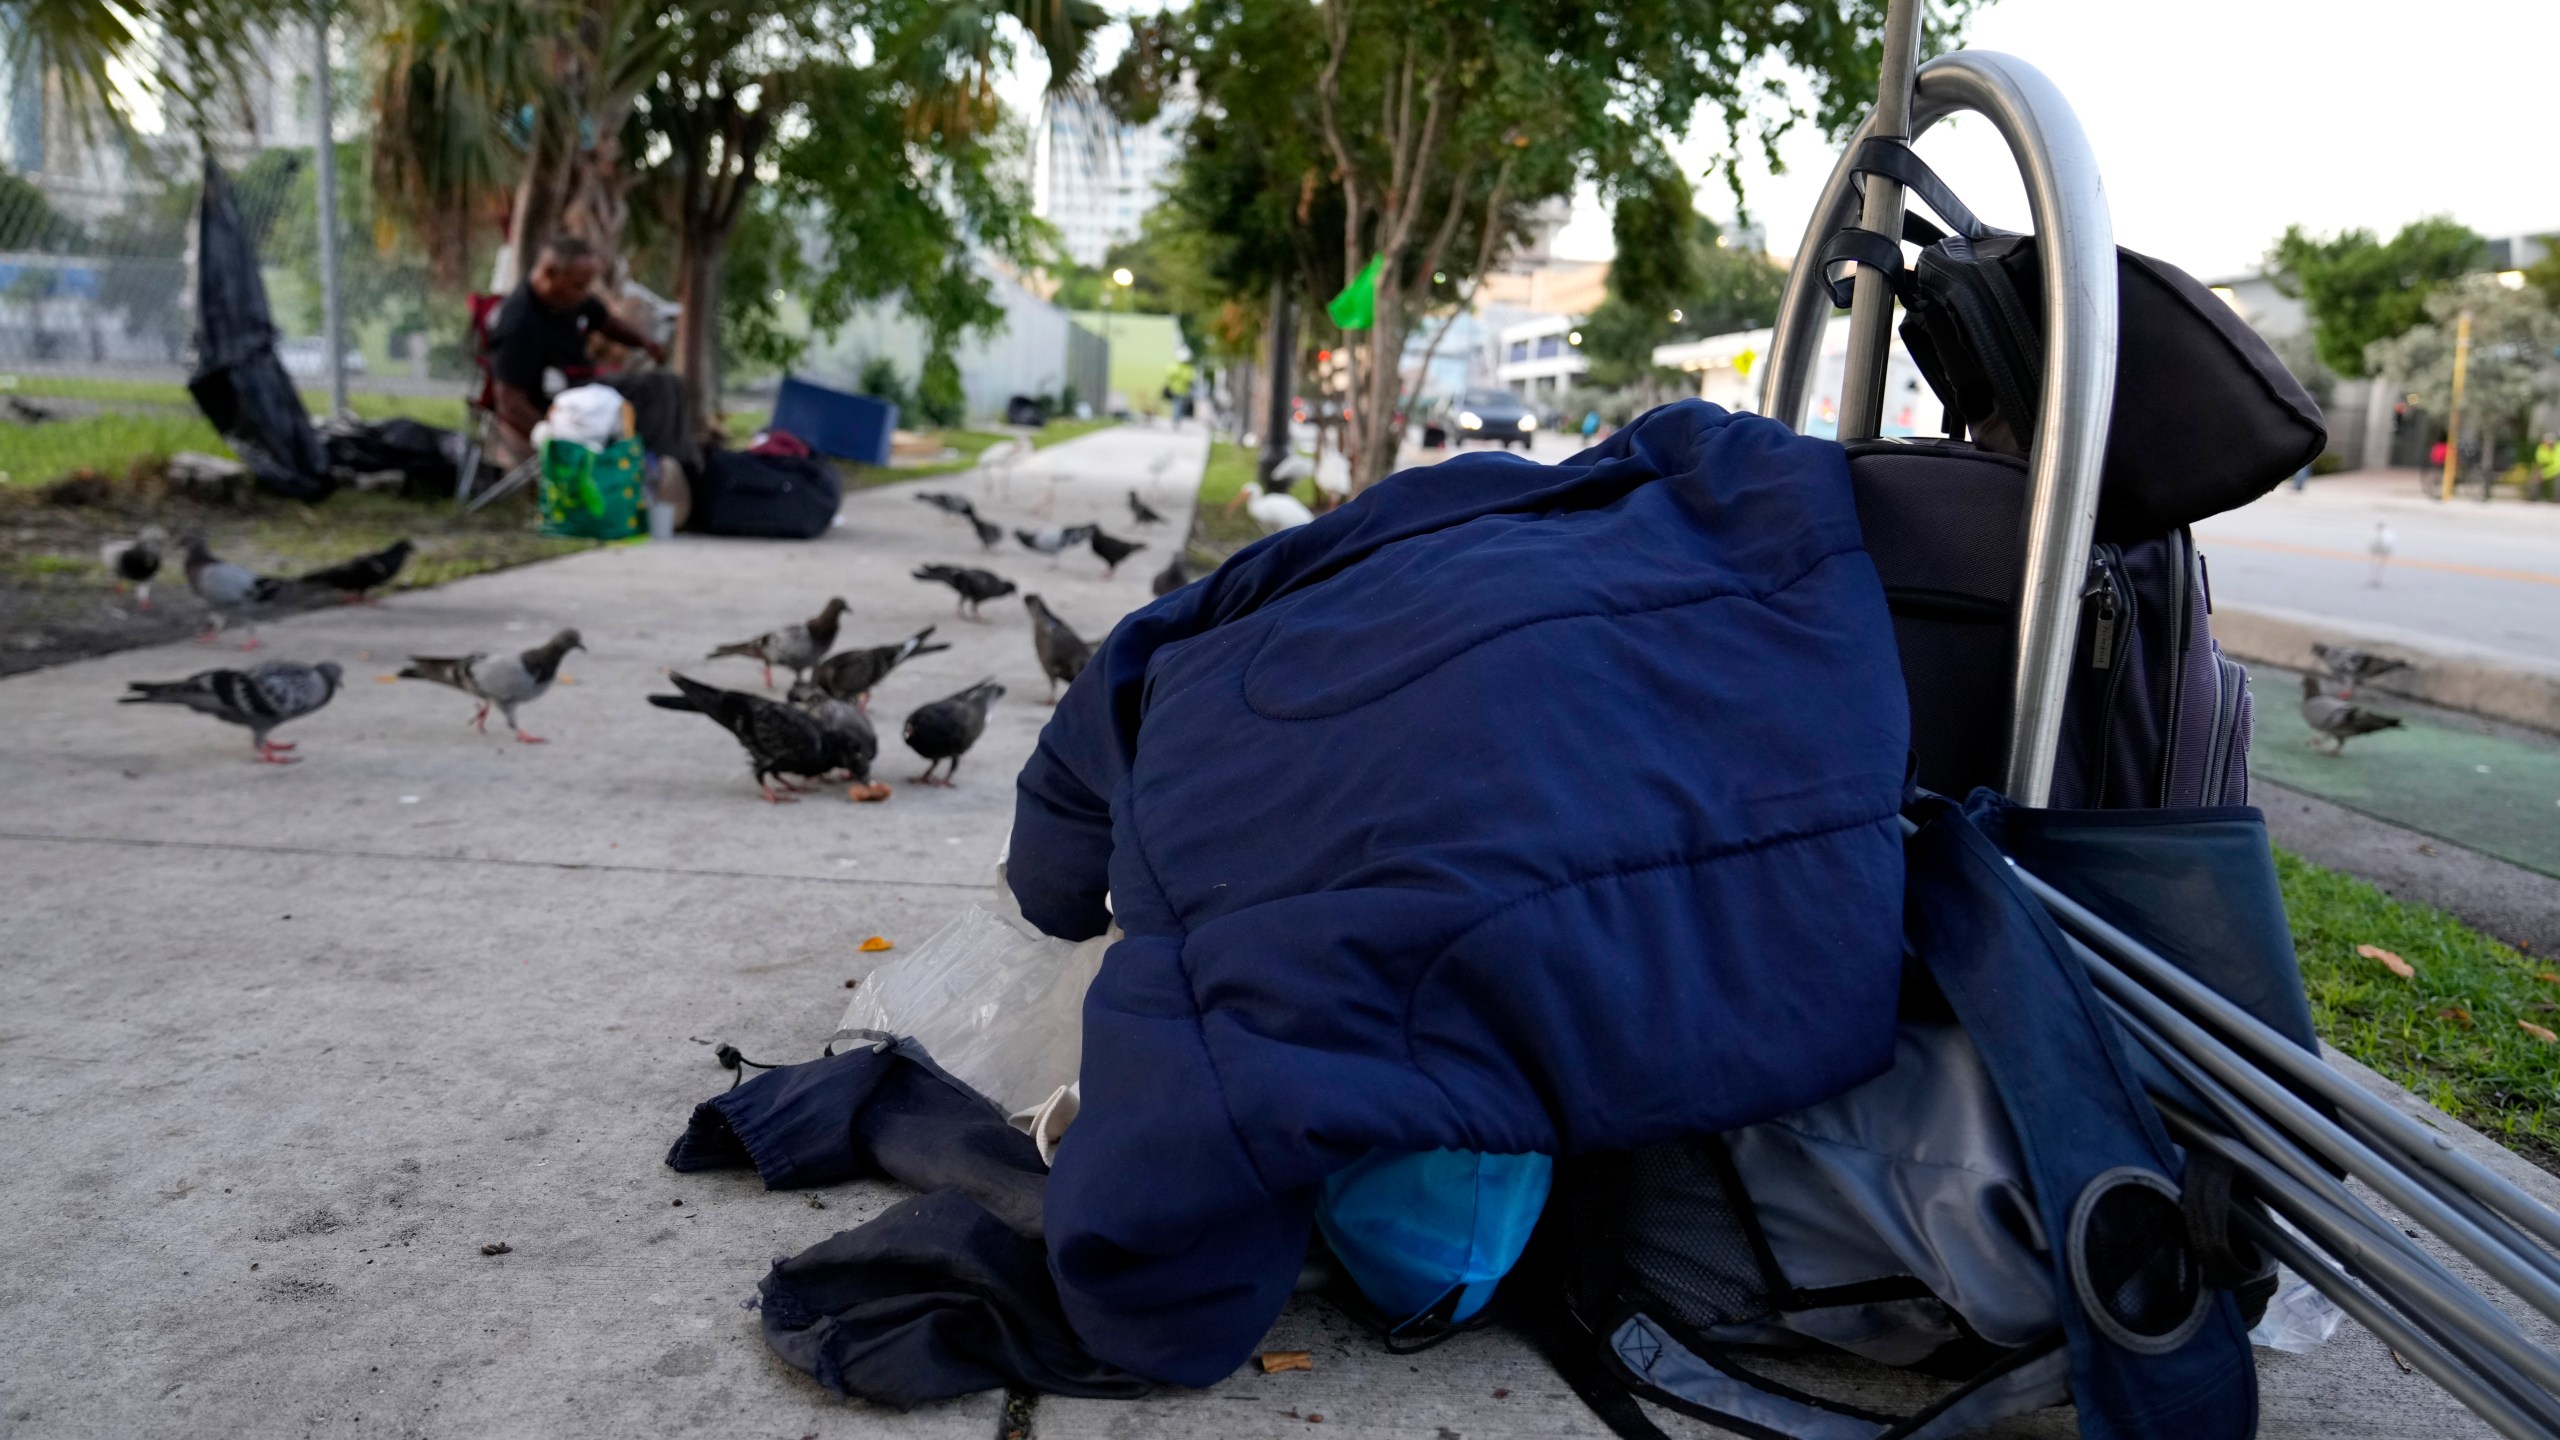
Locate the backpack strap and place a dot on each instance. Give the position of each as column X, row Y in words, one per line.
column 2155, row 1350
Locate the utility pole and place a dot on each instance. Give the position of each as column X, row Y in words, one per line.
column 333, row 338
column 1284, row 351
column 2453, row 421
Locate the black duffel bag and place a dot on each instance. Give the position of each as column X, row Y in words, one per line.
column 2206, row 418
column 780, row 497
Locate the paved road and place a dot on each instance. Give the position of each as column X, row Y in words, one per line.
column 2466, row 578
column 282, row 1050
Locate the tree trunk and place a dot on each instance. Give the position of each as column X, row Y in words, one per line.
column 697, row 350
column 538, row 196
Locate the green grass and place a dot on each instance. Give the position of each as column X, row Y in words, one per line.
column 160, row 420
column 107, row 444
column 1057, row 431
column 2452, row 1033
column 1230, row 466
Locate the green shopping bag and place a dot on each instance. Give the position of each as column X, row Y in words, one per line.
column 594, row 495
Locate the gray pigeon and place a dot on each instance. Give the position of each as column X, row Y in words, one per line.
column 259, row 698
column 990, row 534
column 1063, row 653
column 2338, row 719
column 236, row 593
column 853, row 744
column 1055, row 538
column 945, row 729
column 506, row 681
column 133, row 562
column 852, row 674
column 793, row 647
column 2351, row 667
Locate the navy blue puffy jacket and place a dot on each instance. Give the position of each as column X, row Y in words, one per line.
column 1510, row 808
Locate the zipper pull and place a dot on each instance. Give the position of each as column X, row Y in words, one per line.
column 2110, row 614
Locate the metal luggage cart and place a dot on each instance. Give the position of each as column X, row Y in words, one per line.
column 2289, row 1125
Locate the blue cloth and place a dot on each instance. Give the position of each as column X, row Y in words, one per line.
column 1414, row 1227
column 2076, row 1100
column 1511, row 808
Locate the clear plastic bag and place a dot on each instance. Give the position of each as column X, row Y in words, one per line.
column 993, row 1001
column 2299, row 1320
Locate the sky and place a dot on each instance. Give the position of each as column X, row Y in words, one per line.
column 2217, row 123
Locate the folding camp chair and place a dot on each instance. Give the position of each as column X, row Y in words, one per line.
column 482, row 415
column 2285, row 1123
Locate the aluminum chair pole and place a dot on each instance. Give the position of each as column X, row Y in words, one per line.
column 2283, row 1059
column 2475, row 1395
column 1871, row 300
column 2445, row 1293
column 2490, row 1252
column 2075, row 242
column 2384, row 1272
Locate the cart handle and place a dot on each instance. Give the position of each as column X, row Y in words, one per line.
column 2076, row 245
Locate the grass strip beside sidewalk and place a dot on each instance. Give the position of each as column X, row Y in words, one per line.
column 2456, row 1033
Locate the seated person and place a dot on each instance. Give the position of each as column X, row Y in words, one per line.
column 544, row 325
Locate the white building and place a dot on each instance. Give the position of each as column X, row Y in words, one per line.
column 1732, row 368
column 1540, row 358
column 1096, row 178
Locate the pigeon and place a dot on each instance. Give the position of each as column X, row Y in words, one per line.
column 945, row 729
column 852, row 743
column 259, row 698
column 2380, row 547
column 1055, row 538
column 2337, row 719
column 990, row 534
column 353, row 578
column 2351, row 667
column 976, row 587
column 851, row 675
column 235, row 593
column 793, row 647
column 133, row 562
column 1063, row 653
column 1274, row 508
column 948, row 503
column 1144, row 512
column 506, row 681
column 1175, row 574
column 780, row 739
column 1113, row 550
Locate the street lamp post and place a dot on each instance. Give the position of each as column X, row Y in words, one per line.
column 2453, row 421
column 1121, row 280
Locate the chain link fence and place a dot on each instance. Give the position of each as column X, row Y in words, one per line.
column 98, row 278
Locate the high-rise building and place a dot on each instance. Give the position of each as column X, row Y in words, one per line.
column 1098, row 177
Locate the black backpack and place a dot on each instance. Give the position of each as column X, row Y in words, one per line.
column 1873, row 1266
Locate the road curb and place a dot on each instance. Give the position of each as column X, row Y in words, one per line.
column 2519, row 697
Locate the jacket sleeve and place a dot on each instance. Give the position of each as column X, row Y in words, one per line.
column 1060, row 862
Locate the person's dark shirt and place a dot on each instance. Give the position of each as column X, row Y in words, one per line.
column 528, row 338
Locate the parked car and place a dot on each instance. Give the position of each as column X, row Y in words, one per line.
column 1495, row 415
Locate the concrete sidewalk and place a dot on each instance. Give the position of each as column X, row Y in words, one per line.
column 285, row 1049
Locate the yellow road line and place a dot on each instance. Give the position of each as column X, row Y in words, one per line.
column 2484, row 572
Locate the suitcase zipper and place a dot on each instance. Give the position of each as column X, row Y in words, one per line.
column 2111, row 640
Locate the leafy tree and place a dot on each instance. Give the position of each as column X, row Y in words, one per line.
column 2511, row 370
column 1686, row 285
column 378, row 277
column 1439, row 125
column 28, row 220
column 2359, row 289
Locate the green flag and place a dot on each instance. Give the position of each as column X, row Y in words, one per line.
column 1356, row 308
